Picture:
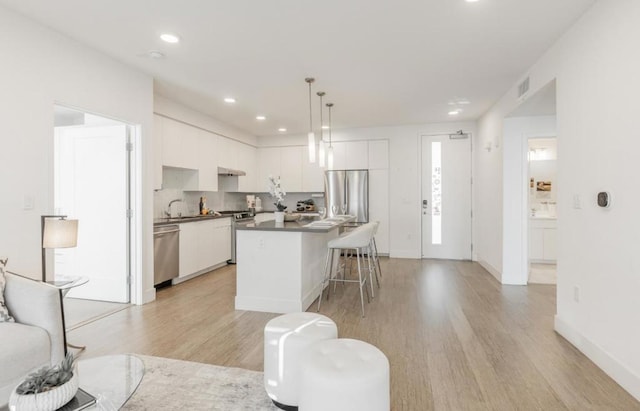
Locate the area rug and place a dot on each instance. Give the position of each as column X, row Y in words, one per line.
column 182, row 385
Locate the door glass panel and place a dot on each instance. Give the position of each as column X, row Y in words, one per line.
column 436, row 192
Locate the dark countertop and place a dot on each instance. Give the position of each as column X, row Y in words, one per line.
column 318, row 225
column 190, row 219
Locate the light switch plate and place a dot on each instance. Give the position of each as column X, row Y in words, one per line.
column 28, row 202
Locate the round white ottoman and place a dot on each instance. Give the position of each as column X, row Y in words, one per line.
column 285, row 338
column 344, row 374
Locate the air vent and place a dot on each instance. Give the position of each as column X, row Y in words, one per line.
column 523, row 87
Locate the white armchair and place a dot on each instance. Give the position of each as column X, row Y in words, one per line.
column 36, row 338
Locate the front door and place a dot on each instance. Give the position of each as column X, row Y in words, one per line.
column 446, row 197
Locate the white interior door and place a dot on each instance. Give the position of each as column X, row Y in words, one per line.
column 91, row 185
column 446, row 197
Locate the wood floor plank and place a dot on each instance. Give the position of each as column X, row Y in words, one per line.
column 456, row 339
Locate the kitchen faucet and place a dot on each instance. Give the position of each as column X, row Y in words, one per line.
column 167, row 212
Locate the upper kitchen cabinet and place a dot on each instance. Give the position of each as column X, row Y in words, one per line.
column 379, row 155
column 179, row 144
column 350, row 155
column 227, row 153
column 247, row 162
column 291, row 168
column 157, row 152
column 207, row 161
column 312, row 174
column 268, row 165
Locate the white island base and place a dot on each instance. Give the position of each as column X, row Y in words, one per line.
column 280, row 271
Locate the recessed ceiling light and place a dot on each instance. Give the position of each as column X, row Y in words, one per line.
column 261, row 118
column 170, row 38
column 229, row 100
column 325, row 127
column 471, row 1
column 454, row 112
column 282, row 129
column 155, row 54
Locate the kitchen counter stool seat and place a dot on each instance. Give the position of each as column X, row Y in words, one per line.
column 344, row 375
column 285, row 339
column 358, row 240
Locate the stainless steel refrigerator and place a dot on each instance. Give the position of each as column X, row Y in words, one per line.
column 347, row 192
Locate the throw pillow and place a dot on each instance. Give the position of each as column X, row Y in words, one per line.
column 4, row 312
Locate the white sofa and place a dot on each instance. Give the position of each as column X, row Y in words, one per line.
column 36, row 338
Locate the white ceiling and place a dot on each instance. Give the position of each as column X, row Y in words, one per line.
column 382, row 62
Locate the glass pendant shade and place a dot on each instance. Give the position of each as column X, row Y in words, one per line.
column 321, row 153
column 312, row 147
column 330, row 158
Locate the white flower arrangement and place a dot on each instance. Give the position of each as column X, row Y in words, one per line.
column 276, row 191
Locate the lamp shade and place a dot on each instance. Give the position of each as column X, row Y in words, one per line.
column 312, row 147
column 60, row 233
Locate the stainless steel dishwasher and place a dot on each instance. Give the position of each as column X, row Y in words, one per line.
column 166, row 253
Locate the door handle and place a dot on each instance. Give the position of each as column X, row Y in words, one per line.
column 425, row 203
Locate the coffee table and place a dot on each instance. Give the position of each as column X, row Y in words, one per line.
column 112, row 379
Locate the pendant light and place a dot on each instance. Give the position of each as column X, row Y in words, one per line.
column 311, row 135
column 330, row 149
column 321, row 154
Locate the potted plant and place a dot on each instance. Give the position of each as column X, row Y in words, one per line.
column 47, row 389
column 276, row 191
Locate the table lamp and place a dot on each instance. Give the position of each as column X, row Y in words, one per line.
column 57, row 232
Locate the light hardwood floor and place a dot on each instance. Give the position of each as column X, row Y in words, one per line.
column 456, row 339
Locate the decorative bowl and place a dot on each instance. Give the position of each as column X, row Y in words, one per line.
column 45, row 401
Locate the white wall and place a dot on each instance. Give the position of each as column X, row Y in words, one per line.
column 39, row 68
column 177, row 111
column 404, row 174
column 596, row 65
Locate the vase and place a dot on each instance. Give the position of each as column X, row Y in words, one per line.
column 279, row 215
column 46, row 401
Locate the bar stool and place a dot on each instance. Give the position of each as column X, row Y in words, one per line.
column 357, row 240
column 374, row 249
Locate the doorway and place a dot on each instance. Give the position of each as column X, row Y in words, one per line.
column 446, row 196
column 543, row 193
column 92, row 184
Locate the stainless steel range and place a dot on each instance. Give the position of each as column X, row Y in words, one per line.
column 237, row 218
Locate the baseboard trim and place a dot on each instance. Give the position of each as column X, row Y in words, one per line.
column 404, row 254
column 492, row 270
column 614, row 368
column 148, row 296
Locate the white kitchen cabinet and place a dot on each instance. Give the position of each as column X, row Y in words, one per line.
column 157, row 152
column 221, row 250
column 179, row 144
column 207, row 161
column 268, row 164
column 247, row 162
column 379, row 206
column 204, row 244
column 379, row 155
column 312, row 174
column 542, row 240
column 188, row 247
column 351, row 155
column 227, row 153
column 291, row 168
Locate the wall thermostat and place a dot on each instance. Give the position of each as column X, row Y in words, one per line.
column 604, row 199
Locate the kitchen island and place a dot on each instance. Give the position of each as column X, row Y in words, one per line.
column 280, row 265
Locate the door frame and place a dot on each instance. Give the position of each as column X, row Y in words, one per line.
column 421, row 137
column 134, row 194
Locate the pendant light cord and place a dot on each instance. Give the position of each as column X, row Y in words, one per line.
column 310, row 110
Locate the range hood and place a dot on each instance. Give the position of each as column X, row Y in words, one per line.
column 223, row 171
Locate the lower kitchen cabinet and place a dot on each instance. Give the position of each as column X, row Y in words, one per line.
column 204, row 244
